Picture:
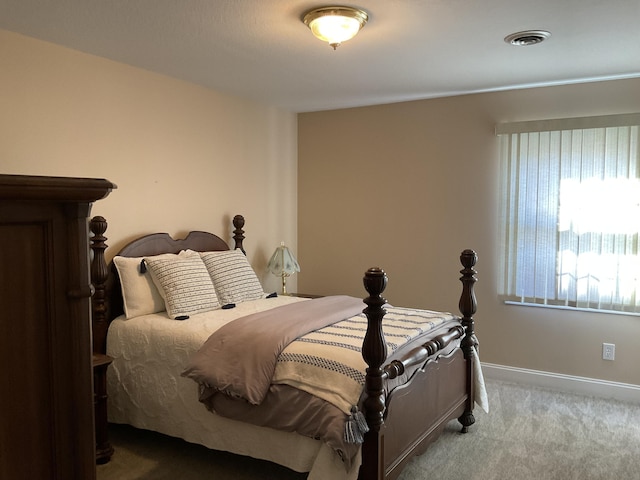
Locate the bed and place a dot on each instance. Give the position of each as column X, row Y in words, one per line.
column 408, row 390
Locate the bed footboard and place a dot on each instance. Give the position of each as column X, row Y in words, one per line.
column 404, row 421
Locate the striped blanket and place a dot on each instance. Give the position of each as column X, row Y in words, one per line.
column 328, row 362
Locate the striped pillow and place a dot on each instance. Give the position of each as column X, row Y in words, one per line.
column 185, row 283
column 233, row 278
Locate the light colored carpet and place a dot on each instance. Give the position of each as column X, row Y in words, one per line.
column 529, row 433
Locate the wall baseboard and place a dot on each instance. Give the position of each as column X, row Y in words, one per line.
column 625, row 392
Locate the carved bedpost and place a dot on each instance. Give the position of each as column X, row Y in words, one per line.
column 238, row 233
column 99, row 274
column 468, row 306
column 374, row 348
column 374, row 352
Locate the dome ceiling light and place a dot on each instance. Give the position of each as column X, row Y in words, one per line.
column 335, row 25
column 527, row 37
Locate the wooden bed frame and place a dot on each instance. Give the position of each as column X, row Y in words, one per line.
column 404, row 420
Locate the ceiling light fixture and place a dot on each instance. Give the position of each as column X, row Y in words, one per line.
column 527, row 37
column 335, row 25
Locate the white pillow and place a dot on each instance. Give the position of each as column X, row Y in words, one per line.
column 186, row 284
column 139, row 294
column 232, row 275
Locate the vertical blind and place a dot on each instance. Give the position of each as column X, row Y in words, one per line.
column 570, row 212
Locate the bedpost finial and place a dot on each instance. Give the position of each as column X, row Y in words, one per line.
column 238, row 233
column 238, row 221
column 468, row 258
column 98, row 225
column 375, row 281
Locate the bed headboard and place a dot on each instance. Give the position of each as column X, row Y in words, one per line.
column 106, row 302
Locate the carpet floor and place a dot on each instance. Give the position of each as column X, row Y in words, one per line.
column 529, row 433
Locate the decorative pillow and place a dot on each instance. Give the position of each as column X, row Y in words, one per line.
column 233, row 278
column 139, row 294
column 186, row 284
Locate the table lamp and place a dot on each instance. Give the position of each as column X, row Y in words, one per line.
column 283, row 264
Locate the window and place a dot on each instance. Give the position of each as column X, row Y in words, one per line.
column 570, row 212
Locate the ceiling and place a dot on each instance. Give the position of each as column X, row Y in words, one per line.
column 409, row 49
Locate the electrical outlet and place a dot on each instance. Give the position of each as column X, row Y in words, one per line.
column 608, row 351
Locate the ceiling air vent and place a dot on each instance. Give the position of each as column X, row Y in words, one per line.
column 528, row 37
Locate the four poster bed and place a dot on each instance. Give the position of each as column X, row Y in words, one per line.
column 169, row 373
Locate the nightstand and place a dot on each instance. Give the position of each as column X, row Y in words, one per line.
column 104, row 449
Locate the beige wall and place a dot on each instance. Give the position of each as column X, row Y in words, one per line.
column 184, row 157
column 408, row 186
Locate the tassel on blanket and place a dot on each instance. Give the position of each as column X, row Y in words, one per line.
column 355, row 426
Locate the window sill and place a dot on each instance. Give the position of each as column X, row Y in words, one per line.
column 572, row 309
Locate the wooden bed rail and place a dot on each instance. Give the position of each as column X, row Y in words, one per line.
column 420, row 354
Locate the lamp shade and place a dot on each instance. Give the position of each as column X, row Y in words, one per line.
column 283, row 264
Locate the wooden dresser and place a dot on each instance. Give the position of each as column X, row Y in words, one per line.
column 46, row 399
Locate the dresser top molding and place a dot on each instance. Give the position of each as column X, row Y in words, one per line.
column 59, row 189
